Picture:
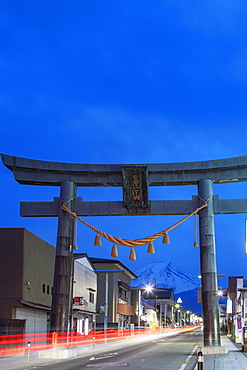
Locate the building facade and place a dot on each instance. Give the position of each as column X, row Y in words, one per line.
column 153, row 308
column 113, row 294
column 27, row 273
column 84, row 295
column 236, row 309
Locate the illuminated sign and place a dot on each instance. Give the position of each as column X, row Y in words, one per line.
column 80, row 301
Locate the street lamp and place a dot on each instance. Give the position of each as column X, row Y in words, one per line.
column 139, row 308
column 161, row 315
column 149, row 289
column 177, row 307
column 188, row 317
column 179, row 301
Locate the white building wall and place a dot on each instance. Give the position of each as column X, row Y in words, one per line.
column 85, row 282
column 36, row 321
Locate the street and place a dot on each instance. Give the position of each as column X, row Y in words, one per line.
column 176, row 352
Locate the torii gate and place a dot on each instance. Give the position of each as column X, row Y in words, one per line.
column 135, row 180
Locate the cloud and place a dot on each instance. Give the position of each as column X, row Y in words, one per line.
column 131, row 137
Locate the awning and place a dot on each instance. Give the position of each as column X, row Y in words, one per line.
column 36, row 305
column 124, row 286
column 125, row 309
column 78, row 311
column 146, row 305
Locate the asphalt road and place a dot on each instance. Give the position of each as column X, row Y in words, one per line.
column 177, row 352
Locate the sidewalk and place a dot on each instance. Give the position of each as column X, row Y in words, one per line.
column 233, row 360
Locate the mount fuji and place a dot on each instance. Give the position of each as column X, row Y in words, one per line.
column 165, row 275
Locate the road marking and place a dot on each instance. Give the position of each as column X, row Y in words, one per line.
column 187, row 359
column 106, row 355
column 108, row 364
column 192, row 334
column 100, row 358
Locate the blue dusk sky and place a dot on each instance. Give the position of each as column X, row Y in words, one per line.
column 126, row 82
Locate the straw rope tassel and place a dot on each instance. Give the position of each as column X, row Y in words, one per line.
column 97, row 241
column 195, row 231
column 166, row 239
column 75, row 247
column 114, row 251
column 132, row 256
column 151, row 248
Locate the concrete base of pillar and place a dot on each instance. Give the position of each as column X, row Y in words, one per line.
column 244, row 347
column 57, row 354
column 213, row 350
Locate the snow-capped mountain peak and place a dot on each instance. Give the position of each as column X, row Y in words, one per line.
column 165, row 275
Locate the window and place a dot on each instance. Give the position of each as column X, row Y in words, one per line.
column 123, row 294
column 91, row 297
column 123, row 290
column 43, row 288
column 48, row 289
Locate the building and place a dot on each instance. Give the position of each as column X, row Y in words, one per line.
column 165, row 302
column 236, row 308
column 154, row 307
column 114, row 293
column 233, row 309
column 27, row 273
column 84, row 293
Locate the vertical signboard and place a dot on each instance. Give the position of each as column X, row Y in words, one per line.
column 135, row 188
column 229, row 305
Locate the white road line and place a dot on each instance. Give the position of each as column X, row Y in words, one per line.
column 188, row 358
column 100, row 358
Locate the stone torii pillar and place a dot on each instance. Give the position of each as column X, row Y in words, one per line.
column 210, row 306
column 64, row 261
